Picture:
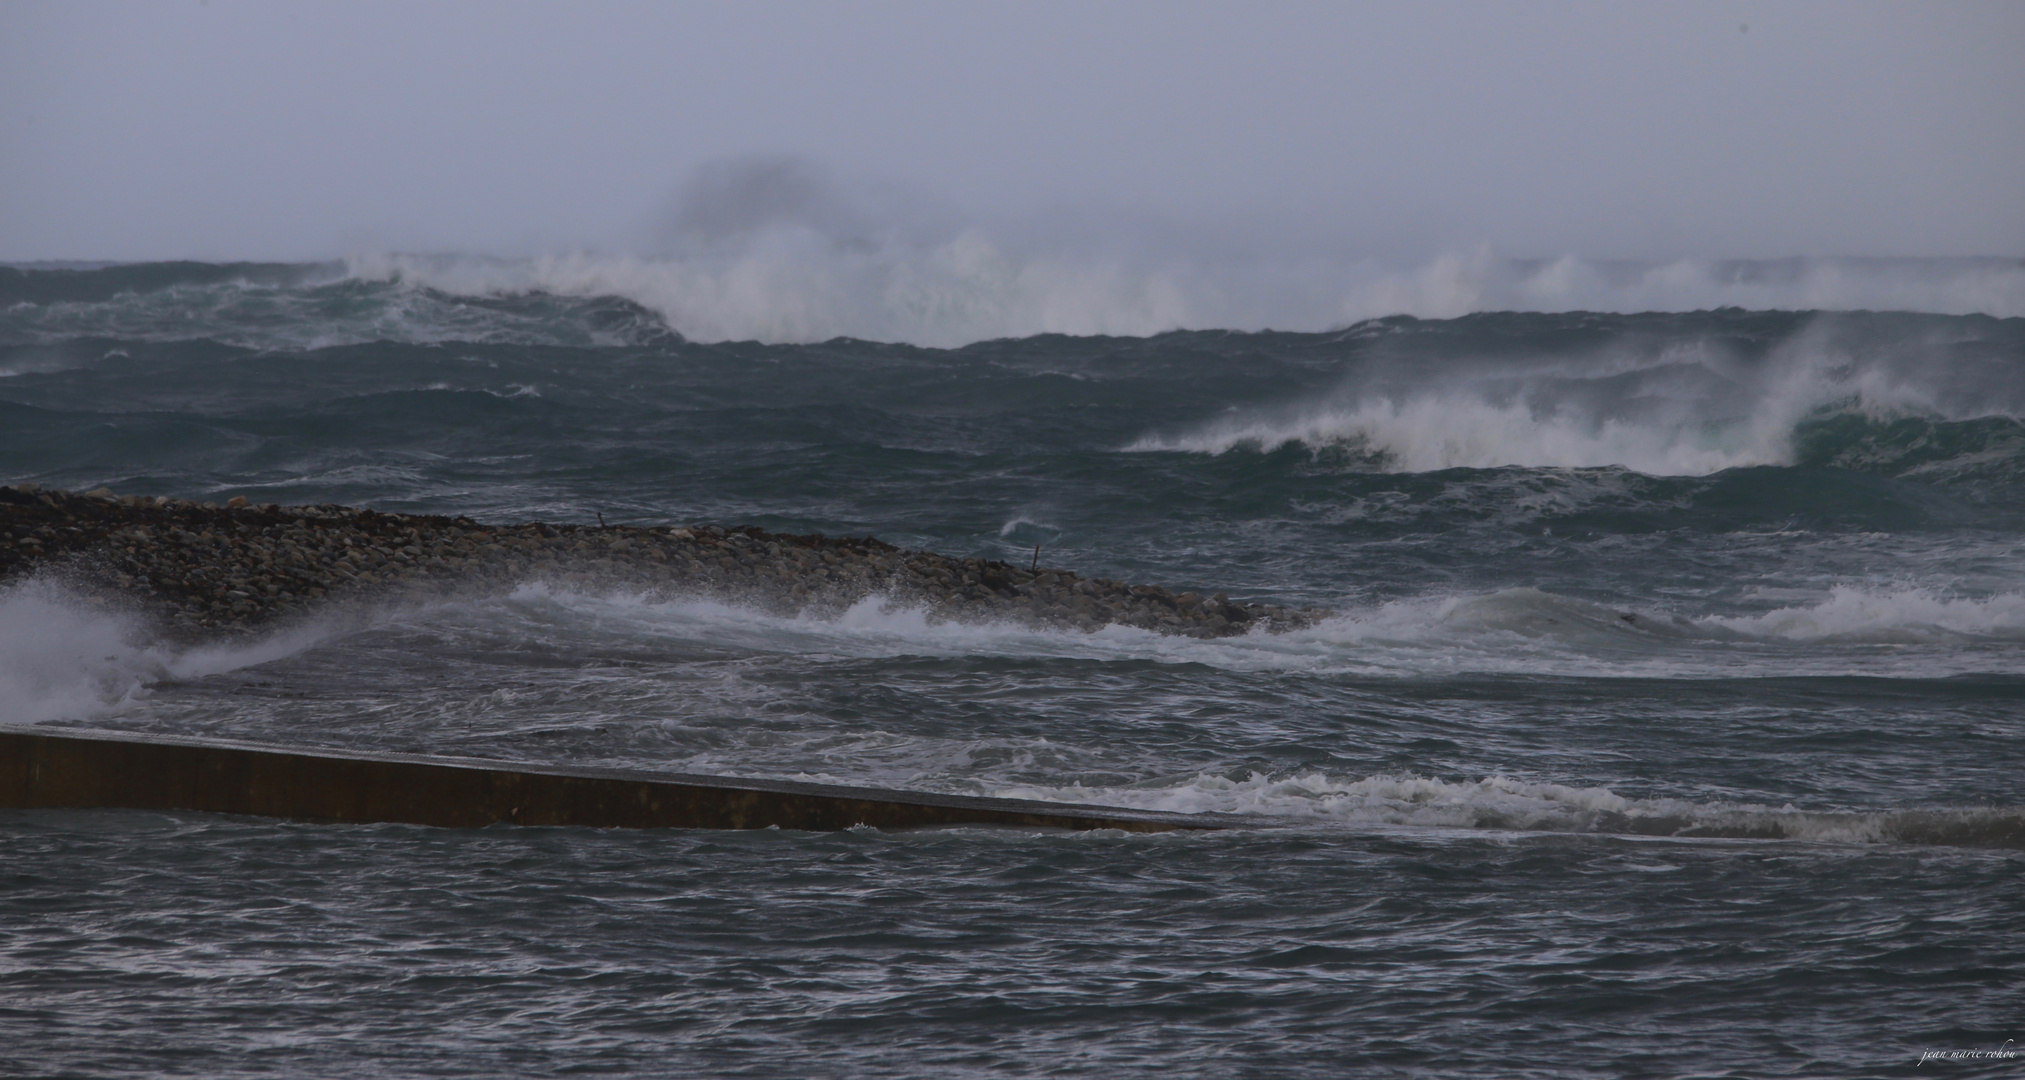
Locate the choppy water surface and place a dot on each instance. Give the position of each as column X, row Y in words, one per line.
column 1670, row 721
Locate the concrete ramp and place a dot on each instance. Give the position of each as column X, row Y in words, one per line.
column 45, row 767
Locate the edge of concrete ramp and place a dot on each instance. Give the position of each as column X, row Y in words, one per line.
column 59, row 767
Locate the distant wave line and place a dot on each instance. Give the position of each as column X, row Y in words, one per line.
column 784, row 287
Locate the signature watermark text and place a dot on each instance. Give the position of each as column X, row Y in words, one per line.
column 2002, row 1053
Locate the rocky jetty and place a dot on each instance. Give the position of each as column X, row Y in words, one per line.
column 207, row 569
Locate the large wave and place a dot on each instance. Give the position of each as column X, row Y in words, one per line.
column 1838, row 393
column 792, row 284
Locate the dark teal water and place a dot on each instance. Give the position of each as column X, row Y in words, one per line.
column 1669, row 724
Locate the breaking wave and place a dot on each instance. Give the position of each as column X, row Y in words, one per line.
column 788, row 285
column 1435, row 432
column 792, row 284
column 1846, row 615
column 1891, row 405
column 1515, row 630
column 1441, row 431
column 1891, row 616
column 63, row 657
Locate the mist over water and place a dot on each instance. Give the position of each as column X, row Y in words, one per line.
column 792, row 283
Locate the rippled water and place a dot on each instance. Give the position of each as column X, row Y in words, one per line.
column 1669, row 721
column 213, row 947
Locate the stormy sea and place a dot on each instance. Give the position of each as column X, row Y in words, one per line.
column 1669, row 717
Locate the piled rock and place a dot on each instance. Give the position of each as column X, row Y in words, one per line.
column 211, row 569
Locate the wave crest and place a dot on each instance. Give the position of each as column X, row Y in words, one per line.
column 1892, row 616
column 796, row 285
column 1855, row 394
column 1439, row 431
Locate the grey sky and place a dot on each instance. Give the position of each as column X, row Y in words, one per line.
column 234, row 129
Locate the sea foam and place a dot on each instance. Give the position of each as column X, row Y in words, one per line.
column 1506, row 804
column 796, row 285
column 1520, row 630
column 63, row 658
column 1691, row 409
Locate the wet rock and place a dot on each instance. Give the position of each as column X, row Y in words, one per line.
column 205, row 569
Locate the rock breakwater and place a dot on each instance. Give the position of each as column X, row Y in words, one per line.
column 207, row 569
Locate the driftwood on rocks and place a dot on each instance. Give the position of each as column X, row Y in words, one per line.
column 207, row 569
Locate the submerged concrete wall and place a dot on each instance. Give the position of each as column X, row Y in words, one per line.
column 44, row 767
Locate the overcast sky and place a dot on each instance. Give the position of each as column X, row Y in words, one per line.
column 274, row 130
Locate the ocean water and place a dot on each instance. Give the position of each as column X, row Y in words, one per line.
column 1669, row 721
